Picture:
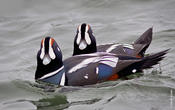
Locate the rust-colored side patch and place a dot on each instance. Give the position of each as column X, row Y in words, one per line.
column 113, row 77
column 138, row 56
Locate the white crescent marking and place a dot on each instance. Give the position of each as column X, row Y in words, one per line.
column 87, row 38
column 78, row 38
column 87, row 28
column 51, row 52
column 42, row 51
column 79, row 28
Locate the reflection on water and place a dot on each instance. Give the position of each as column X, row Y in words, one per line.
column 55, row 103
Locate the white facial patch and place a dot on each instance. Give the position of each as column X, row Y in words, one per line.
column 112, row 47
column 42, row 50
column 82, row 45
column 51, row 52
column 46, row 60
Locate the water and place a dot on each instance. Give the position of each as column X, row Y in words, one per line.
column 24, row 23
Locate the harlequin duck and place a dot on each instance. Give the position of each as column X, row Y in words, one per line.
column 87, row 69
column 85, row 43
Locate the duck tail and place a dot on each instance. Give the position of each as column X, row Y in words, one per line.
column 153, row 59
column 144, row 63
column 144, row 39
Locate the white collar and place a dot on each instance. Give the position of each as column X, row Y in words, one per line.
column 52, row 73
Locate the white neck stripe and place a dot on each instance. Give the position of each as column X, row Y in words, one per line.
column 52, row 73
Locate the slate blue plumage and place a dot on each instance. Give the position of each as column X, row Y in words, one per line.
column 104, row 71
column 55, row 79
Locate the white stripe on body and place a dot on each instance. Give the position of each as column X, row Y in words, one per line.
column 112, row 47
column 107, row 60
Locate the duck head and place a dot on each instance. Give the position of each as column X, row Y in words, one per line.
column 50, row 67
column 84, row 41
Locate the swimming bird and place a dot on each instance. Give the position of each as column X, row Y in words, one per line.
column 85, row 43
column 87, row 69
